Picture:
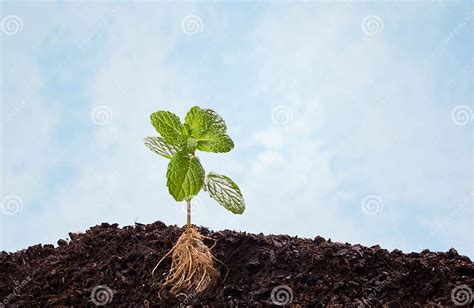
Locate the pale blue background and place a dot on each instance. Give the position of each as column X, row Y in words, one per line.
column 366, row 115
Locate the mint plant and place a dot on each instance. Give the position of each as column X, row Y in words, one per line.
column 192, row 265
column 203, row 130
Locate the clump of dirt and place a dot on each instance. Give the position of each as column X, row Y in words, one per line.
column 112, row 265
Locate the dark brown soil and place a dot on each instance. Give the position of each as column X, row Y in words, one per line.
column 315, row 271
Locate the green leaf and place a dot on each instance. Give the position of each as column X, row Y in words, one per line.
column 159, row 146
column 190, row 145
column 194, row 120
column 209, row 129
column 204, row 121
column 225, row 191
column 214, row 122
column 217, row 143
column 169, row 126
column 185, row 176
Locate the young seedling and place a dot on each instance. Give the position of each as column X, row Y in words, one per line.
column 192, row 263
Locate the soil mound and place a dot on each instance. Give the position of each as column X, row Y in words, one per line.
column 111, row 265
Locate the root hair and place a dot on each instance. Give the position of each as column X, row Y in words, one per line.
column 192, row 265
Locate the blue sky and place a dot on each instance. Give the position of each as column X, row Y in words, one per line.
column 352, row 120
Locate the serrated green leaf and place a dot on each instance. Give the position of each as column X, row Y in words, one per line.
column 214, row 122
column 209, row 129
column 217, row 143
column 185, row 176
column 161, row 147
column 203, row 122
column 191, row 145
column 194, row 120
column 169, row 126
column 225, row 191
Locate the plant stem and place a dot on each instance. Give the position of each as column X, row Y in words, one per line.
column 188, row 214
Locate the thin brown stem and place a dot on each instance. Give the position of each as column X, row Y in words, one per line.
column 188, row 214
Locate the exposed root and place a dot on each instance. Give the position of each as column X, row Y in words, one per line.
column 192, row 265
